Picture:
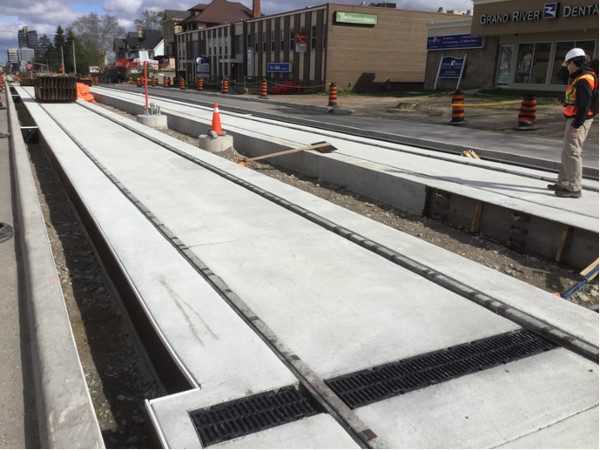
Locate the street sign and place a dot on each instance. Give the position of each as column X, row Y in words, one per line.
column 279, row 67
column 451, row 67
column 454, row 41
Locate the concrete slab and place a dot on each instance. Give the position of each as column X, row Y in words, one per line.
column 519, row 189
column 338, row 306
column 575, row 321
column 315, row 281
column 533, row 399
column 170, row 416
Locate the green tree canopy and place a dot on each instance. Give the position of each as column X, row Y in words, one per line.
column 151, row 20
column 96, row 35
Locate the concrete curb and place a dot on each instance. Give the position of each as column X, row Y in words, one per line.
column 66, row 416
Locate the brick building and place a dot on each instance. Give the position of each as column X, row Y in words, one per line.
column 355, row 46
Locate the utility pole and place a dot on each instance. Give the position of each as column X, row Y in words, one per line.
column 74, row 62
column 62, row 60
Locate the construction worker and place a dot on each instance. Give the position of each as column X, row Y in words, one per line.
column 581, row 105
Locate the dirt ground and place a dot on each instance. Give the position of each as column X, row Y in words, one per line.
column 115, row 367
column 437, row 109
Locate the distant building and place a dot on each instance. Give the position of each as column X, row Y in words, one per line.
column 355, row 46
column 26, row 55
column 13, row 55
column 171, row 24
column 142, row 40
column 29, row 39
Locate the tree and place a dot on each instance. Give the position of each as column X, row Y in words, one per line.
column 46, row 52
column 80, row 62
column 96, row 35
column 152, row 20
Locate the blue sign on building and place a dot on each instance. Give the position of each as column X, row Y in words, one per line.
column 279, row 67
column 454, row 41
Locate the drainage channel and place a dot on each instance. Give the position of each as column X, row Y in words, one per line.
column 248, row 415
column 325, row 394
column 495, row 305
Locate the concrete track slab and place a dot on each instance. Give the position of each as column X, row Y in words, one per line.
column 170, row 416
column 294, row 274
column 534, row 399
column 520, row 148
column 522, row 190
column 336, row 305
column 578, row 322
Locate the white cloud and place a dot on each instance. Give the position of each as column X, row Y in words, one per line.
column 122, row 7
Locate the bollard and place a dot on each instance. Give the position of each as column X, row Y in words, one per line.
column 332, row 96
column 181, row 83
column 527, row 113
column 225, row 87
column 263, row 89
column 200, row 84
column 458, row 109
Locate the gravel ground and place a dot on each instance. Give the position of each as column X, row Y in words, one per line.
column 116, row 369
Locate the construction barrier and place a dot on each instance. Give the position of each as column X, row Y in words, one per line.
column 458, row 109
column 181, row 83
column 527, row 113
column 225, row 87
column 200, row 84
column 138, row 81
column 166, row 82
column 332, row 96
column 263, row 89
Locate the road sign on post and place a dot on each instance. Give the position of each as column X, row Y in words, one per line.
column 451, row 67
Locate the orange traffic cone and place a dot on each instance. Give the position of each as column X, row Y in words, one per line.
column 216, row 121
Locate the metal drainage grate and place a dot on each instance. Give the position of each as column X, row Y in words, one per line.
column 248, row 415
column 371, row 385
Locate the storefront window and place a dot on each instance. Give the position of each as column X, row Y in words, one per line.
column 504, row 65
column 560, row 74
column 532, row 63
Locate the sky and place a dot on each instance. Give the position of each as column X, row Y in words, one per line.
column 44, row 16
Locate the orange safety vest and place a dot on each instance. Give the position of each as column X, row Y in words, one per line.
column 571, row 94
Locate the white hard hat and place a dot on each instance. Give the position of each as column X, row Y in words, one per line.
column 573, row 53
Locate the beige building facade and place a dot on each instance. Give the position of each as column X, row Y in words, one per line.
column 354, row 46
column 524, row 44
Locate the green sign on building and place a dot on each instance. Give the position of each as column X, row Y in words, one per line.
column 361, row 19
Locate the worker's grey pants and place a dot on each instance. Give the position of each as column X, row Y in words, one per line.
column 571, row 170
